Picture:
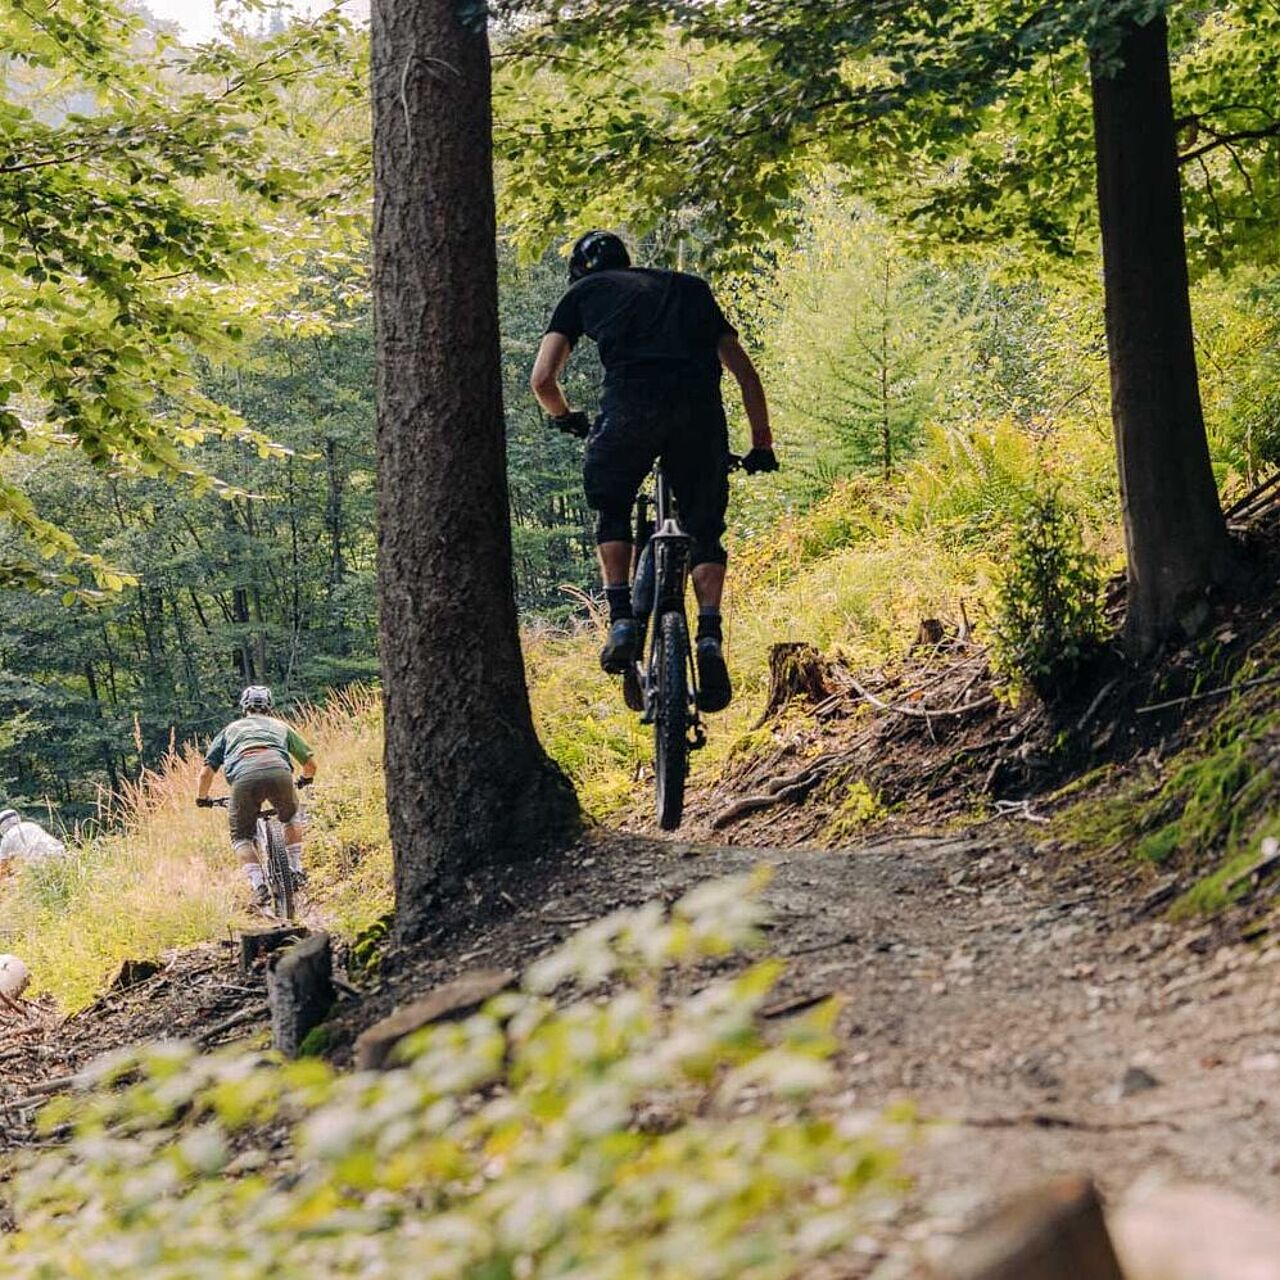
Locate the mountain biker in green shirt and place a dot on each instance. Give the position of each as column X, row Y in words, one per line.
column 256, row 754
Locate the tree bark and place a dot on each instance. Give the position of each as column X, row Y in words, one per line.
column 468, row 783
column 1175, row 534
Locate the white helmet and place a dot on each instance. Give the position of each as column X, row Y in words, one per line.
column 7, row 816
column 257, row 697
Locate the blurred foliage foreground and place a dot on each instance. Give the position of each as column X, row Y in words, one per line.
column 618, row 1134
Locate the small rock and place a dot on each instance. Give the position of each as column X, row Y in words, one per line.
column 1261, row 1062
column 14, row 976
column 247, row 1162
column 1137, row 1080
column 454, row 999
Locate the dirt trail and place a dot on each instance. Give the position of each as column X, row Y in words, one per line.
column 1004, row 996
column 998, row 991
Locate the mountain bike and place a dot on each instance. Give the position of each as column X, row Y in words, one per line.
column 273, row 856
column 664, row 687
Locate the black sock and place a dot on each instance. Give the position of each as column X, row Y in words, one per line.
column 709, row 624
column 619, row 602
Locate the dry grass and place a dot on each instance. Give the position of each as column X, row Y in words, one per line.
column 165, row 877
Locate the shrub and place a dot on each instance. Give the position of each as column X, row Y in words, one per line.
column 1049, row 619
column 619, row 1136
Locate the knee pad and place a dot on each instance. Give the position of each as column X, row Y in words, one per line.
column 246, row 850
column 613, row 524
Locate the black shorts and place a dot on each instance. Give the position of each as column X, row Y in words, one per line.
column 651, row 418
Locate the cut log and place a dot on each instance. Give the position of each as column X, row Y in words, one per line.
column 257, row 944
column 796, row 670
column 1057, row 1233
column 300, row 991
column 456, row 999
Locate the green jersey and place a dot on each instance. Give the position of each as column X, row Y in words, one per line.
column 226, row 751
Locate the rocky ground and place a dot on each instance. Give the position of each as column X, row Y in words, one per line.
column 1042, row 1011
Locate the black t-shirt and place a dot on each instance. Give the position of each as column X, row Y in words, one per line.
column 646, row 323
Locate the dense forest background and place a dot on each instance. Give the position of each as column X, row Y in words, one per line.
column 929, row 374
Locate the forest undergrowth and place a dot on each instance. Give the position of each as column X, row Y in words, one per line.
column 854, row 575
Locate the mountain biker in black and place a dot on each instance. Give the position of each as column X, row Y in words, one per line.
column 662, row 339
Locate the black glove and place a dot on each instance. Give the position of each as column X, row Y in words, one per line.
column 204, row 802
column 573, row 423
column 303, row 781
column 759, row 460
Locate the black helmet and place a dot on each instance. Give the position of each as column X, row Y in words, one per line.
column 597, row 251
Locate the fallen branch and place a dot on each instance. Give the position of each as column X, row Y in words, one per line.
column 821, row 765
column 40, row 1093
column 795, row 1005
column 1241, row 507
column 1099, row 698
column 1049, row 1120
column 1208, row 693
column 14, row 1006
column 753, row 804
column 1013, row 809
column 1270, row 859
column 794, row 786
column 919, row 713
column 252, row 1014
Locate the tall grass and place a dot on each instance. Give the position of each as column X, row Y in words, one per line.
column 165, row 876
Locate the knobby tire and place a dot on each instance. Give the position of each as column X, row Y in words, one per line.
column 279, row 878
column 671, row 719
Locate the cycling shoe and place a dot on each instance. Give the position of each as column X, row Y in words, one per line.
column 632, row 694
column 620, row 651
column 714, row 690
column 299, row 880
column 261, row 899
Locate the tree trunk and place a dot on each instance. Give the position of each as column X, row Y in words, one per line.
column 1175, row 534
column 467, row 781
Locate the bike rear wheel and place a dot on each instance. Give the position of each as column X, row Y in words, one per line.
column 671, row 718
column 279, row 877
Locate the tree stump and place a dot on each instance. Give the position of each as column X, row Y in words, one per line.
column 796, row 670
column 257, row 944
column 1057, row 1233
column 931, row 635
column 300, row 991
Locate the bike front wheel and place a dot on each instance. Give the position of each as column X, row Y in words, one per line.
column 671, row 718
column 279, row 877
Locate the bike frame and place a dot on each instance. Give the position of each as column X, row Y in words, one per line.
column 261, row 838
column 671, row 547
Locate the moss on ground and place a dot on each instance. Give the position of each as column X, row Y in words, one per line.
column 858, row 806
column 1205, row 814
